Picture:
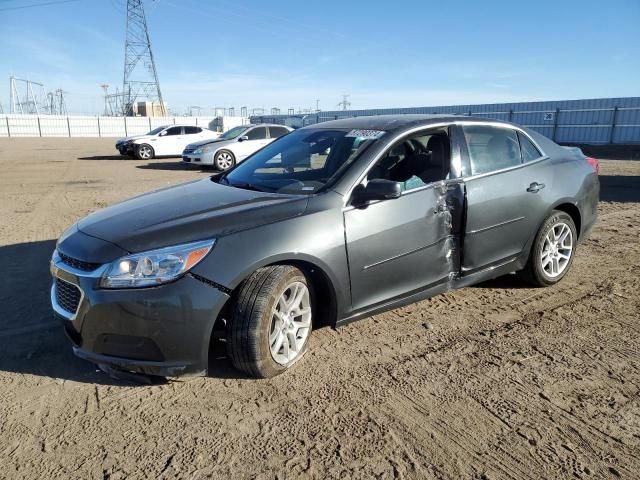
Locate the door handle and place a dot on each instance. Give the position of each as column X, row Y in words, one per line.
column 535, row 187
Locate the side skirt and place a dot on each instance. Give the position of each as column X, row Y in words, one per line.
column 443, row 286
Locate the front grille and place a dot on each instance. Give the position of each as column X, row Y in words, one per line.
column 186, row 159
column 188, row 150
column 78, row 264
column 67, row 295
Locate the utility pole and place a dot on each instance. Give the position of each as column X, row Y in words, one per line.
column 139, row 82
column 317, row 104
column 345, row 103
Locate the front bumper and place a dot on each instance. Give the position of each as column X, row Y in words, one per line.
column 200, row 159
column 164, row 330
column 125, row 148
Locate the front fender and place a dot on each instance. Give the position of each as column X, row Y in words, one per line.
column 316, row 239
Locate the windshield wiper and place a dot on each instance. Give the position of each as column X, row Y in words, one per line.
column 245, row 186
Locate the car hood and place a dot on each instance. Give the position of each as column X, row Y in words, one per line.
column 132, row 137
column 207, row 141
column 192, row 211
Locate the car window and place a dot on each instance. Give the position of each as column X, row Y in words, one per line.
column 259, row 133
column 192, row 130
column 174, row 131
column 491, row 148
column 275, row 132
column 416, row 161
column 528, row 149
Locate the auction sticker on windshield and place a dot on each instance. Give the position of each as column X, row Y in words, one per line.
column 366, row 134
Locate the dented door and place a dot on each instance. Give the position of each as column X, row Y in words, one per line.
column 403, row 245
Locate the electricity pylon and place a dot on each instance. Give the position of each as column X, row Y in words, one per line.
column 140, row 75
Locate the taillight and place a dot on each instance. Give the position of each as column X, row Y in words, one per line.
column 594, row 164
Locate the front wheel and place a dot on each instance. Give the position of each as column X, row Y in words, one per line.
column 552, row 251
column 224, row 160
column 270, row 322
column 144, row 152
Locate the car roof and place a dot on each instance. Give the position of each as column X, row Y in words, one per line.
column 392, row 123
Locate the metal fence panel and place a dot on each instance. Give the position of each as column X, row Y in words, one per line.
column 112, row 127
column 23, row 126
column 54, row 126
column 137, row 125
column 83, row 127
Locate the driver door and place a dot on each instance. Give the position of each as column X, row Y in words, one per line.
column 170, row 142
column 399, row 246
column 257, row 138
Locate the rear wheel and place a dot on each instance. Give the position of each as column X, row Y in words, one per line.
column 271, row 321
column 552, row 251
column 145, row 152
column 224, row 160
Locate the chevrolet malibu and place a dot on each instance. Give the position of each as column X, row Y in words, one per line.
column 328, row 224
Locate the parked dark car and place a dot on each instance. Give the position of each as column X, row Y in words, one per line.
column 331, row 223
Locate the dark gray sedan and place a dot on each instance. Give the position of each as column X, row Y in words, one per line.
column 328, row 224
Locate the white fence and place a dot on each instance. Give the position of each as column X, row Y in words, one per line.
column 81, row 126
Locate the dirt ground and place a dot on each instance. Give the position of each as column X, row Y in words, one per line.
column 495, row 381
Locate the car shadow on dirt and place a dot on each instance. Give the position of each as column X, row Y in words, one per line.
column 107, row 157
column 175, row 166
column 620, row 188
column 33, row 340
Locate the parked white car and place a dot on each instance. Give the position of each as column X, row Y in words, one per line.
column 165, row 141
column 233, row 146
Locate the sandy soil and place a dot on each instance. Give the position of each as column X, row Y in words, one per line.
column 495, row 381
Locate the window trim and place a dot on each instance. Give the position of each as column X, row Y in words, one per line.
column 507, row 169
column 269, row 127
column 519, row 134
column 421, row 187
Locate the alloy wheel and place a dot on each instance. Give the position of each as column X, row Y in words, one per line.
column 144, row 152
column 290, row 323
column 556, row 250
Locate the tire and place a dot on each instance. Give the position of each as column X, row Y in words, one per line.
column 547, row 263
column 261, row 341
column 224, row 160
column 144, row 152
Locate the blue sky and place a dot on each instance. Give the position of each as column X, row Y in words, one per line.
column 288, row 53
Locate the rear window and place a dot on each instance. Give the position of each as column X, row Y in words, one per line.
column 491, row 148
column 192, row 130
column 275, row 132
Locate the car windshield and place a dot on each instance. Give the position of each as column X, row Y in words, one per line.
column 156, row 131
column 233, row 133
column 301, row 162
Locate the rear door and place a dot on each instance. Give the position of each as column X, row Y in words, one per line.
column 507, row 194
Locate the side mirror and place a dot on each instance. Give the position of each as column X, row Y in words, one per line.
column 243, row 138
column 163, row 133
column 376, row 189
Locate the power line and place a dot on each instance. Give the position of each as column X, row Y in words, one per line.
column 37, row 5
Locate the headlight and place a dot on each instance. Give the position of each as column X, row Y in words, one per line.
column 155, row 266
column 198, row 151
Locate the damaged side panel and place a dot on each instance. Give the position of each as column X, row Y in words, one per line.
column 405, row 245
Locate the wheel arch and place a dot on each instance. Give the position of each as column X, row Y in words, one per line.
column 573, row 211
